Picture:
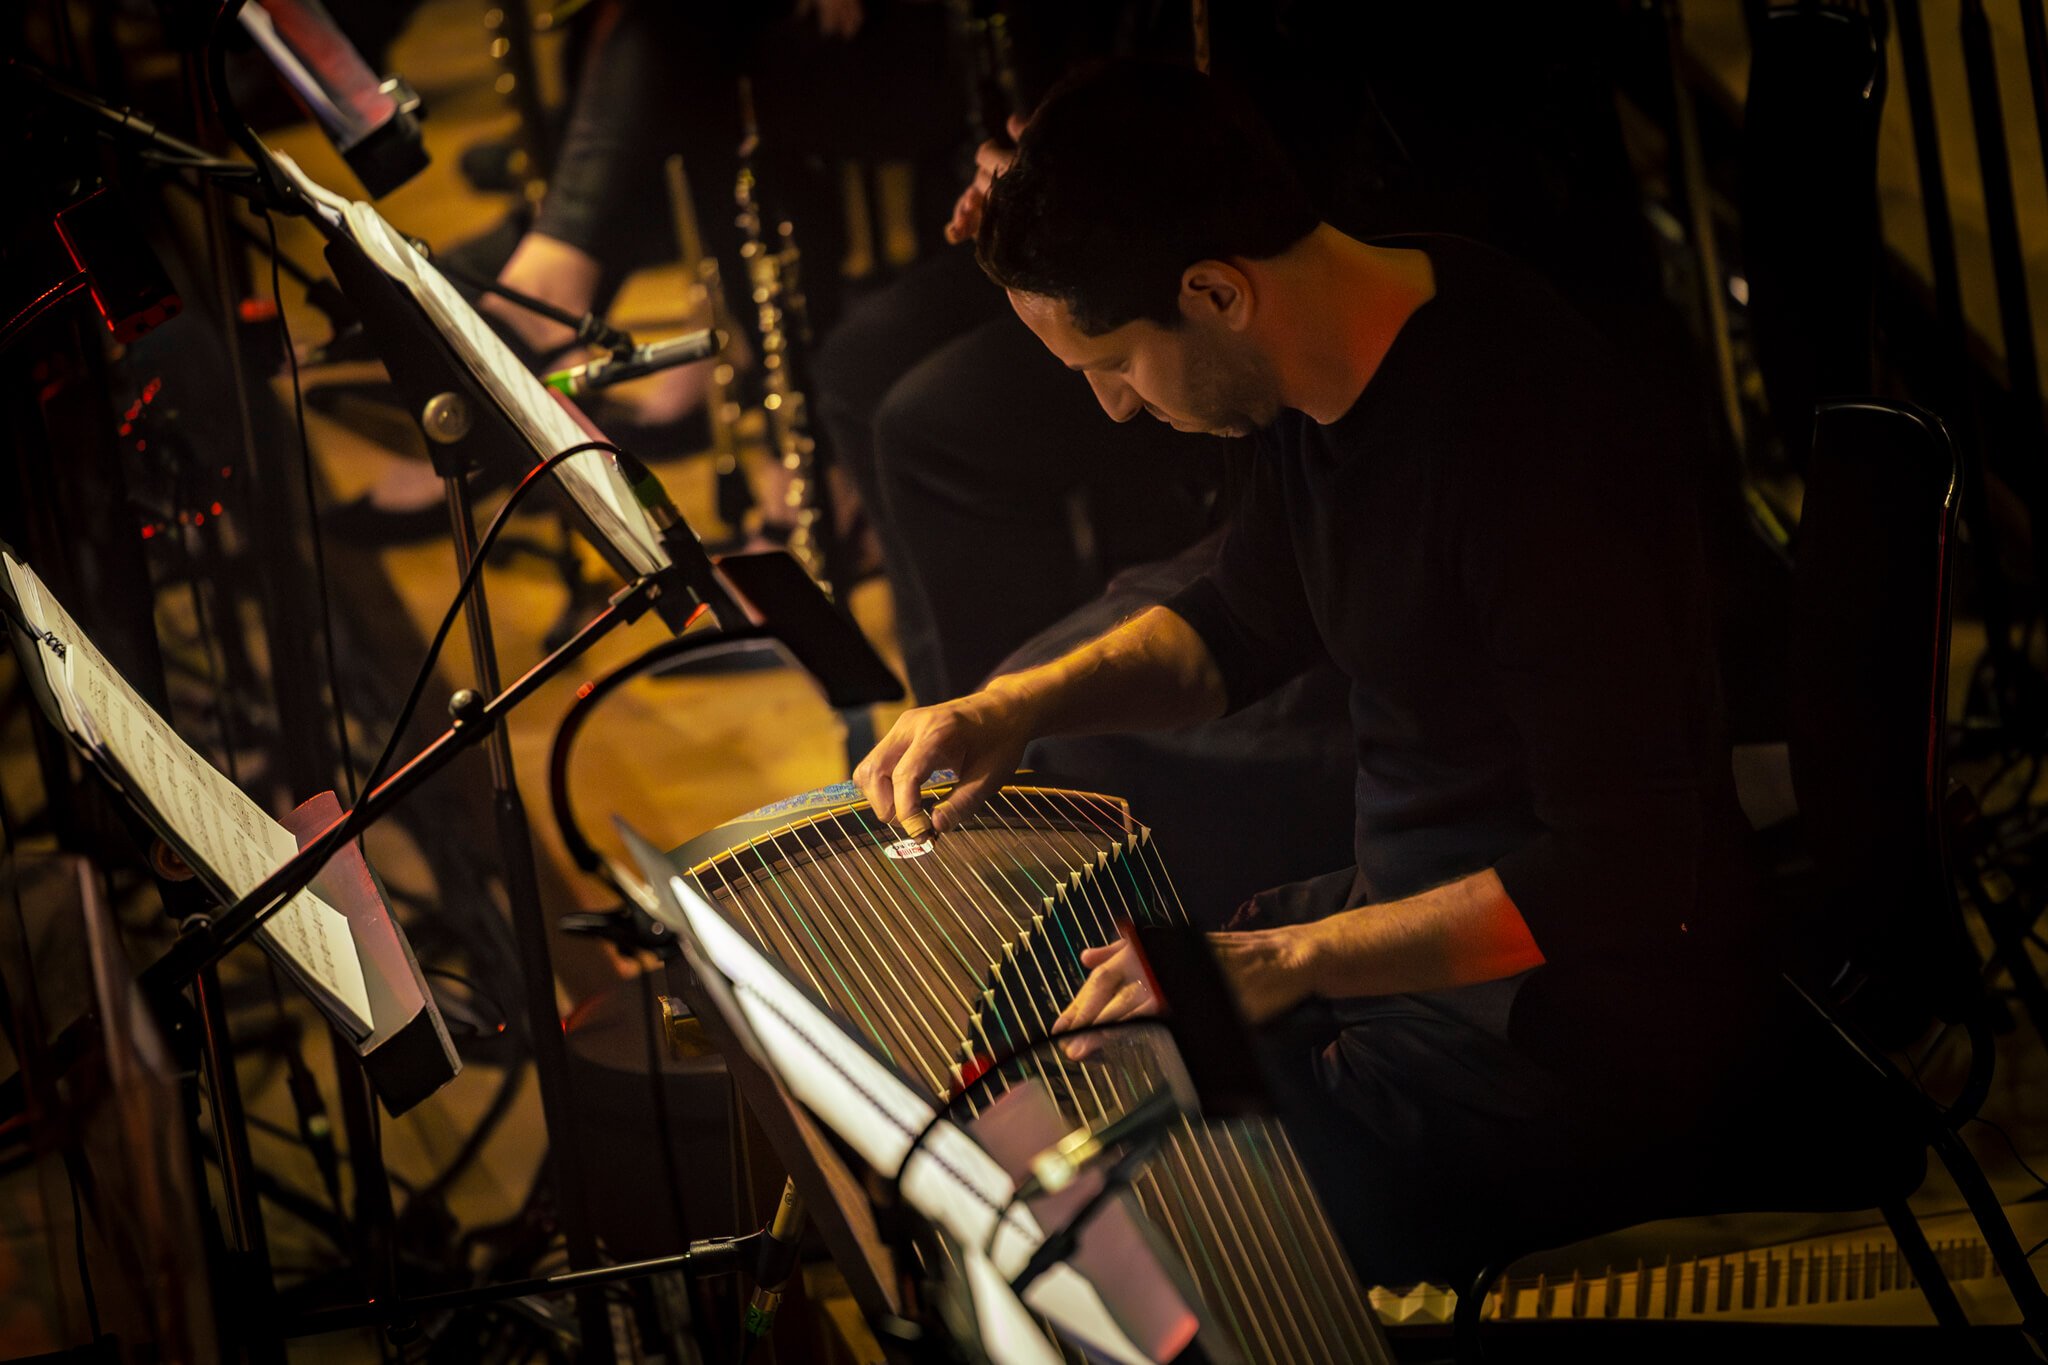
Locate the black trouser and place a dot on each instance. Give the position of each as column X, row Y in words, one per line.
column 1437, row 1145
column 1002, row 493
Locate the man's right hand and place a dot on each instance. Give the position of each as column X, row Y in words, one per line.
column 980, row 737
column 1151, row 673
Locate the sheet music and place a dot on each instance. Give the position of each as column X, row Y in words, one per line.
column 236, row 842
column 592, row 478
column 950, row 1179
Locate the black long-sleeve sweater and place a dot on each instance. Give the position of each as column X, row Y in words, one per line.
column 1507, row 564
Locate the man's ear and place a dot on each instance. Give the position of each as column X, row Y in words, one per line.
column 1216, row 291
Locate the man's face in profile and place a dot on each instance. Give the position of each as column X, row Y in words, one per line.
column 1197, row 377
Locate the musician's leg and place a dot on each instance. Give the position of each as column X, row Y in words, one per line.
column 1435, row 1143
column 879, row 339
column 979, row 453
column 656, row 79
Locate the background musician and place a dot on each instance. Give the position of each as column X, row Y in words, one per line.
column 1540, row 964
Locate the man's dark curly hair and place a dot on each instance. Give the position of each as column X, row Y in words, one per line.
column 1126, row 176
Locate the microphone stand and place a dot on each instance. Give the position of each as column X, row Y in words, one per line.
column 474, row 720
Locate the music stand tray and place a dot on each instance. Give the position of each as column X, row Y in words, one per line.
column 394, row 1025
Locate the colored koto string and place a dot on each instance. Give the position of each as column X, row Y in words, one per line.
column 945, row 954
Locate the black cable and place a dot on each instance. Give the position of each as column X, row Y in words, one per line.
column 286, row 1134
column 588, row 698
column 1060, row 1245
column 291, row 354
column 993, row 1071
column 304, row 1209
column 92, row 1305
column 476, row 994
column 480, row 1133
column 329, row 840
column 2028, row 1254
column 590, row 329
column 2012, row 1147
column 214, row 167
column 462, row 591
column 315, row 1133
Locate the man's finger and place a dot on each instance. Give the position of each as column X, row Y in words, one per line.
column 1106, row 1011
column 868, row 774
column 873, row 772
column 990, row 162
column 961, row 802
column 966, row 215
column 1087, row 1001
column 1095, row 957
column 879, row 788
column 1132, row 999
column 910, row 774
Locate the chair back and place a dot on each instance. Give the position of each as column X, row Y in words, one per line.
column 1866, row 711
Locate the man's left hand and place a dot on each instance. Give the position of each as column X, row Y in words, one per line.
column 1267, row 969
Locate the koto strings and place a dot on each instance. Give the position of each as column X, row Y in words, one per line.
column 971, row 948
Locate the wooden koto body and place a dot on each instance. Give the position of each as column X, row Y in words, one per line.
column 946, row 953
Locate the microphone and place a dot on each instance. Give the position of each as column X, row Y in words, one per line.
column 780, row 1242
column 1059, row 1165
column 620, row 366
column 684, row 550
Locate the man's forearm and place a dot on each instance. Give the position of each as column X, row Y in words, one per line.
column 1151, row 673
column 1458, row 934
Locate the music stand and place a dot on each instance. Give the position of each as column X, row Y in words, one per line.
column 475, row 403
column 401, row 1039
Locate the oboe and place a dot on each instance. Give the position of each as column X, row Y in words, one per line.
column 511, row 24
column 707, row 308
column 772, row 272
